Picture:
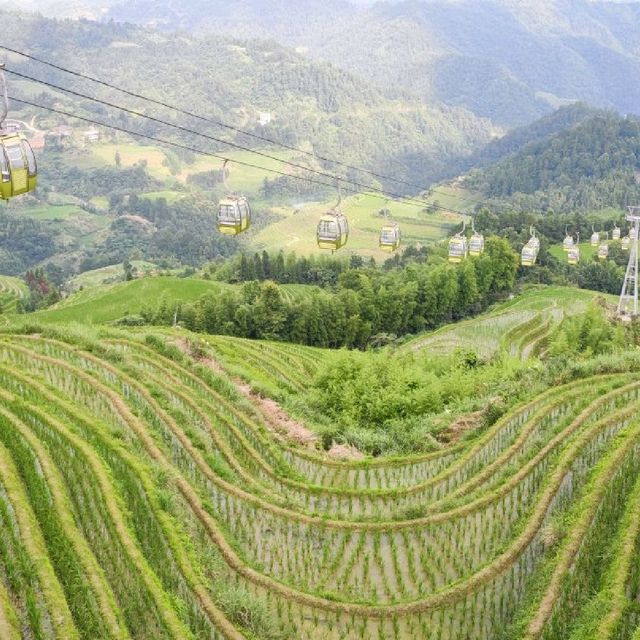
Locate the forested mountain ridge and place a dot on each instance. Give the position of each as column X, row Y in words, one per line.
column 538, row 131
column 590, row 166
column 309, row 103
column 507, row 60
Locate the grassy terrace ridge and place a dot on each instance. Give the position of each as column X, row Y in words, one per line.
column 98, row 305
column 507, row 325
column 11, row 291
column 176, row 484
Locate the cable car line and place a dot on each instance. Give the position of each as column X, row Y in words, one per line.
column 210, row 120
column 202, row 152
column 208, row 137
column 475, row 247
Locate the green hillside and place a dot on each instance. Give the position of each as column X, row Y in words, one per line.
column 312, row 105
column 108, row 303
column 511, row 61
column 163, row 498
column 590, row 166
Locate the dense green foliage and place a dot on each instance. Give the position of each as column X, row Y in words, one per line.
column 23, row 243
column 387, row 404
column 182, row 232
column 56, row 173
column 366, row 305
column 588, row 167
column 539, row 131
column 588, row 334
column 284, row 268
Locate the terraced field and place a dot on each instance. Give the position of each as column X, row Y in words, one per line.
column 11, row 291
column 143, row 496
column 520, row 327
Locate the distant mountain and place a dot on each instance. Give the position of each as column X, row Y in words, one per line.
column 592, row 165
column 75, row 9
column 309, row 103
column 538, row 131
column 510, row 60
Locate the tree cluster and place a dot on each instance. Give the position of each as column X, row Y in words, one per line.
column 364, row 305
column 589, row 167
column 42, row 292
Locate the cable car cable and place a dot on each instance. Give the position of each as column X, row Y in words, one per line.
column 204, row 135
column 210, row 120
column 200, row 151
column 247, row 133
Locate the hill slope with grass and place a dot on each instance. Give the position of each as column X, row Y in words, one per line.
column 176, row 485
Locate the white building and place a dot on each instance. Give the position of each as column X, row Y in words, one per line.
column 264, row 118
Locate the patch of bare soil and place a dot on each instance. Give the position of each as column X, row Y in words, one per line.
column 469, row 422
column 345, row 452
column 460, row 426
column 281, row 421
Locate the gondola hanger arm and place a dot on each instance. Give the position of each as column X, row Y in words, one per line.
column 225, row 171
column 4, row 96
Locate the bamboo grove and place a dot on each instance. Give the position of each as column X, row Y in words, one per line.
column 142, row 496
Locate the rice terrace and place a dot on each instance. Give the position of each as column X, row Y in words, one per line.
column 164, row 502
column 319, row 320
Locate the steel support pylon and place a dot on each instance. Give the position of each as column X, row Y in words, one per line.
column 628, row 305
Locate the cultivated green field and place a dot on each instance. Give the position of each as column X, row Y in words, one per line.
column 11, row 291
column 97, row 305
column 107, row 275
column 296, row 231
column 158, row 503
column 520, row 326
column 586, row 252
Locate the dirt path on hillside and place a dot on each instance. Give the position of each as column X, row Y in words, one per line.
column 279, row 422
